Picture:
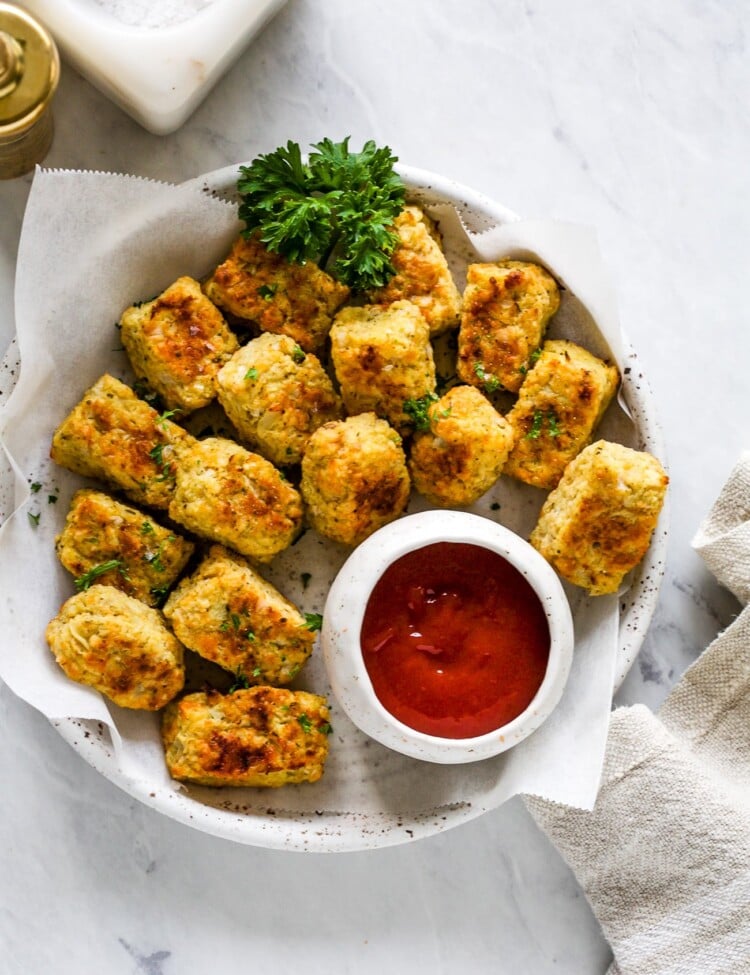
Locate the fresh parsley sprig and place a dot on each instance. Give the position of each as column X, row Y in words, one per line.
column 336, row 209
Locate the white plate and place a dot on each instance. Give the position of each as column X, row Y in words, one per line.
column 311, row 818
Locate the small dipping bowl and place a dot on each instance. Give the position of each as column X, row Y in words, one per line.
column 346, row 608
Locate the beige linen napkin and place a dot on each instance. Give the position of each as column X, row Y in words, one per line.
column 664, row 857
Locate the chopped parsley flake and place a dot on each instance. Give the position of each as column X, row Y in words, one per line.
column 36, row 487
column 418, row 410
column 157, row 454
column 166, row 415
column 305, row 723
column 313, row 621
column 160, row 594
column 83, row 582
column 491, row 383
column 267, row 291
column 251, row 374
column 154, row 558
column 241, row 682
column 298, row 354
column 530, row 361
column 34, row 518
column 537, row 424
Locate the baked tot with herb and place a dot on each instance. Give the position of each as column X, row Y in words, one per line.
column 106, row 542
column 229, row 614
column 558, row 408
column 422, row 273
column 506, row 308
column 277, row 395
column 382, row 356
column 177, row 343
column 459, row 448
column 114, row 436
column 279, row 296
column 597, row 523
column 259, row 736
column 119, row 646
column 354, row 478
column 230, row 495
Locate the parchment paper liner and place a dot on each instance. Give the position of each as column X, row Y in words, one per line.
column 91, row 244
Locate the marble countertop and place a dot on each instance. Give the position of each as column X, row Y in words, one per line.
column 629, row 118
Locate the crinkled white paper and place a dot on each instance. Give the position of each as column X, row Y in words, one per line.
column 92, row 244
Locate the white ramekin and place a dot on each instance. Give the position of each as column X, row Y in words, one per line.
column 345, row 608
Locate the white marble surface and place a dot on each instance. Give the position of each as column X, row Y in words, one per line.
column 631, row 118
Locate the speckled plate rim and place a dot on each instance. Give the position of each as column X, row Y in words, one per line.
column 331, row 831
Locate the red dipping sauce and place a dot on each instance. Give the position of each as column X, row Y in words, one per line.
column 455, row 640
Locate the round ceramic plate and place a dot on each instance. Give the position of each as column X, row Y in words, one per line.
column 369, row 797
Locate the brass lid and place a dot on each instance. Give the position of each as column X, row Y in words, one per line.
column 29, row 70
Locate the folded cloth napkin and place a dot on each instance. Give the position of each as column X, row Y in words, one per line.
column 664, row 857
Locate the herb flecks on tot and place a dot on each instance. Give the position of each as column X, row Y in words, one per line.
column 537, row 424
column 491, row 383
column 157, row 455
column 336, row 209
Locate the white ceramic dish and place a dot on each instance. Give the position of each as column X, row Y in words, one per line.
column 157, row 75
column 345, row 611
column 369, row 797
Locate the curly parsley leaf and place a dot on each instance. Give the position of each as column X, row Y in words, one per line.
column 336, row 209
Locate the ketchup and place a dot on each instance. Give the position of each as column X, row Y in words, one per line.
column 455, row 640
